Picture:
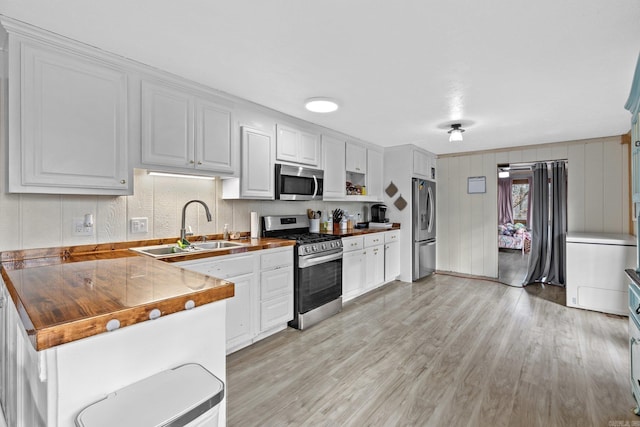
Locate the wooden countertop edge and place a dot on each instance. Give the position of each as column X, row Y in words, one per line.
column 72, row 331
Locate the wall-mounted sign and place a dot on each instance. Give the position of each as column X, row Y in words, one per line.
column 476, row 184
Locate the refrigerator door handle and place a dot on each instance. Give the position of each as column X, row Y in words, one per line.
column 431, row 210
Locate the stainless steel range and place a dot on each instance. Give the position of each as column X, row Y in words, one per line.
column 317, row 272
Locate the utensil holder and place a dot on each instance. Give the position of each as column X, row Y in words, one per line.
column 314, row 225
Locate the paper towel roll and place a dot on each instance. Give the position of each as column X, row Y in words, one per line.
column 255, row 226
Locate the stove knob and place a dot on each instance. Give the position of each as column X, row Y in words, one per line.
column 315, row 248
column 324, row 246
column 333, row 244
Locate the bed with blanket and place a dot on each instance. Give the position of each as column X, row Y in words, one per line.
column 514, row 236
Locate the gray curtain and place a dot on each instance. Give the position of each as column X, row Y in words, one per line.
column 556, row 270
column 530, row 182
column 505, row 208
column 539, row 224
column 548, row 225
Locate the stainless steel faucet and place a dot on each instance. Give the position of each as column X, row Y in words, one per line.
column 183, row 230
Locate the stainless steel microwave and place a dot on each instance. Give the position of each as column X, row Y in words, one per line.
column 298, row 183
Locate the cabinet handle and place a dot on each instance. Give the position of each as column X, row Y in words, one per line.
column 199, row 163
column 637, row 143
column 191, row 162
column 123, row 181
column 638, row 309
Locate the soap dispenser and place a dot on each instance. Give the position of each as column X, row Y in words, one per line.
column 225, row 232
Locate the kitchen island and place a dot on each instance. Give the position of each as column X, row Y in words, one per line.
column 80, row 323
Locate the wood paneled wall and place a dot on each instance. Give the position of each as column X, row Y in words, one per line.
column 598, row 188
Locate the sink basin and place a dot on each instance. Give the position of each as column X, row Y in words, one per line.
column 164, row 251
column 217, row 244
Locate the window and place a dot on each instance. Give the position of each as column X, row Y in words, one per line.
column 520, row 200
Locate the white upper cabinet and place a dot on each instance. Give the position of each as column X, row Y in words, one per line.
column 424, row 165
column 297, row 146
column 333, row 153
column 183, row 131
column 256, row 173
column 356, row 158
column 67, row 117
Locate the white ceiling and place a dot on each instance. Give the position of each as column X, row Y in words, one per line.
column 515, row 72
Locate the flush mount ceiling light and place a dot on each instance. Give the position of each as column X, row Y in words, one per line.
column 455, row 134
column 321, row 105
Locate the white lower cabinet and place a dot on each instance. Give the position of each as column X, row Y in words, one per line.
column 367, row 263
column 239, row 326
column 391, row 255
column 263, row 300
column 374, row 264
column 276, row 289
column 353, row 267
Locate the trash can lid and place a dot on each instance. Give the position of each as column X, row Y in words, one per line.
column 174, row 397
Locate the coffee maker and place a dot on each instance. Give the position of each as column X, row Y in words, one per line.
column 378, row 213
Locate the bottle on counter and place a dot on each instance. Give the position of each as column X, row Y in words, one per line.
column 225, row 232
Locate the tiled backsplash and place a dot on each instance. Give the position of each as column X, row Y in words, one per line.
column 39, row 220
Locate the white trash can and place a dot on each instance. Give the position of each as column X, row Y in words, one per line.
column 186, row 396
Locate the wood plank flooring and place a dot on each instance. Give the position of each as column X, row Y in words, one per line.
column 444, row 351
column 512, row 266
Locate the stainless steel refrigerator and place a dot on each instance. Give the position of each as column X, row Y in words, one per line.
column 423, row 227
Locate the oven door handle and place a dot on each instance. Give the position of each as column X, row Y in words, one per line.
column 310, row 262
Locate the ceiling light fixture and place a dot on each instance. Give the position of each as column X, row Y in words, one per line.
column 321, row 105
column 503, row 174
column 455, row 134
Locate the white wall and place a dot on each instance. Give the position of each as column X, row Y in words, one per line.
column 598, row 189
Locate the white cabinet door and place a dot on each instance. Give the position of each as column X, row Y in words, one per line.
column 391, row 261
column 356, row 160
column 333, row 153
column 167, row 126
column 183, row 131
column 287, row 144
column 421, row 164
column 213, row 150
column 374, row 174
column 67, row 122
column 374, row 266
column 297, row 146
column 256, row 175
column 275, row 312
column 309, row 149
column 353, row 274
column 240, row 311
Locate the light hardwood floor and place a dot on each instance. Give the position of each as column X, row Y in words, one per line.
column 444, row 351
column 512, row 266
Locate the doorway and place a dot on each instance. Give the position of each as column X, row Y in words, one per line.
column 514, row 219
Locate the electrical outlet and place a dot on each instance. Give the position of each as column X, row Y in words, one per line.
column 139, row 225
column 80, row 228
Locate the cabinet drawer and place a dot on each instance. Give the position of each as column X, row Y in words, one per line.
column 276, row 311
column 352, row 243
column 222, row 267
column 276, row 282
column 391, row 236
column 373, row 239
column 276, row 259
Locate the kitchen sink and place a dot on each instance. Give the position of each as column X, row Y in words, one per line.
column 216, row 244
column 164, row 251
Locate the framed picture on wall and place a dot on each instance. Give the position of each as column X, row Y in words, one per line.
column 476, row 184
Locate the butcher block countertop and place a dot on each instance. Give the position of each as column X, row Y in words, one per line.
column 66, row 294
